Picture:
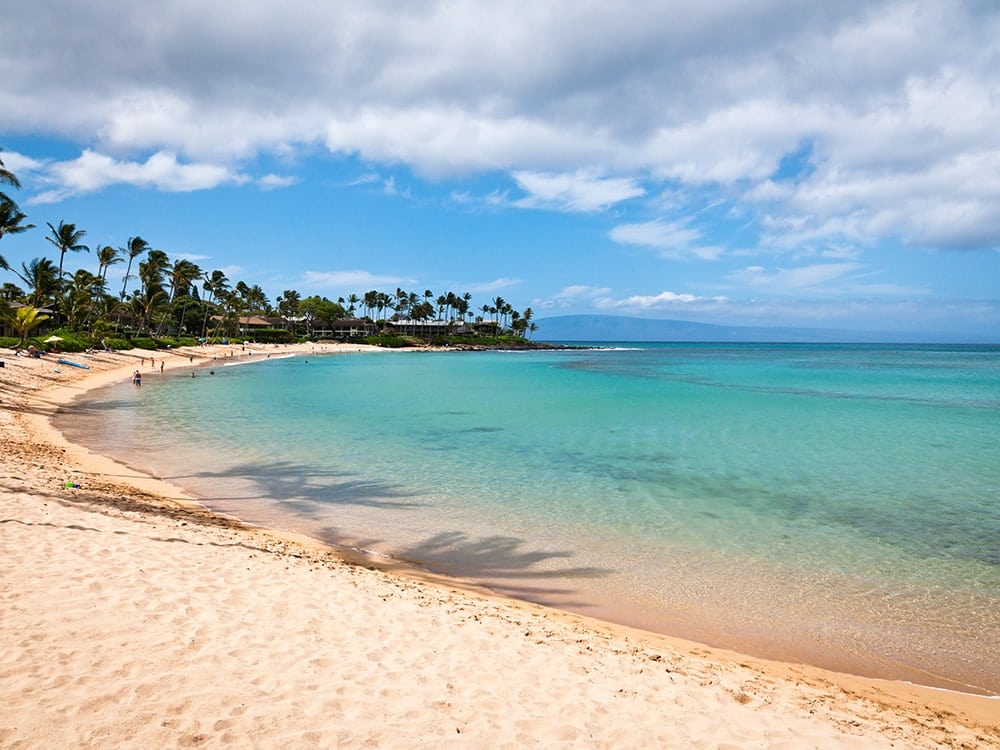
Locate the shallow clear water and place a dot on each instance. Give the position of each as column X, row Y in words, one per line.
column 834, row 504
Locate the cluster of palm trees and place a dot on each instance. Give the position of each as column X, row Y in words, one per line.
column 180, row 298
column 11, row 217
column 449, row 307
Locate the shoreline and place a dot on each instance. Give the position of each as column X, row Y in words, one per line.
column 746, row 613
column 775, row 696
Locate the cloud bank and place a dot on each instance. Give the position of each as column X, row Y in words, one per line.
column 849, row 121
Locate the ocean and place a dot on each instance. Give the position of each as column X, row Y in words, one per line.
column 832, row 504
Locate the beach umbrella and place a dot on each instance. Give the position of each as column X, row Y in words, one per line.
column 53, row 339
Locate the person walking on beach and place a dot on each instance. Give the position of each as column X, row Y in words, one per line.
column 161, row 367
column 136, row 378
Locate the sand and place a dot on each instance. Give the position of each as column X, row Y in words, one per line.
column 132, row 617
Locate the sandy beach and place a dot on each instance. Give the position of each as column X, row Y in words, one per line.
column 133, row 617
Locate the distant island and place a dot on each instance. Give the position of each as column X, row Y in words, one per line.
column 605, row 328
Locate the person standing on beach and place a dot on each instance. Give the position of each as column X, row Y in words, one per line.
column 161, row 367
column 136, row 378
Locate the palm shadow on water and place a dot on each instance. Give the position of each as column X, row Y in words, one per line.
column 504, row 563
column 308, row 491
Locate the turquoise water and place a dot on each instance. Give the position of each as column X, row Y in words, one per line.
column 838, row 505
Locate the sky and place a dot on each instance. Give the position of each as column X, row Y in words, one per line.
column 826, row 164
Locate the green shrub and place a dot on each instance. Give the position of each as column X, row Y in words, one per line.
column 72, row 341
column 175, row 341
column 388, row 341
column 272, row 336
column 116, row 344
column 144, row 342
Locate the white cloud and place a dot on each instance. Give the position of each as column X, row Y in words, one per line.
column 583, row 191
column 662, row 302
column 586, row 105
column 660, row 234
column 673, row 239
column 19, row 163
column 93, row 171
column 368, row 178
column 483, row 287
column 572, row 296
column 351, row 280
column 389, row 188
column 275, row 181
column 191, row 256
column 791, row 279
column 948, row 204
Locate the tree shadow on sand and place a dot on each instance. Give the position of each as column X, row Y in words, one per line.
column 502, row 563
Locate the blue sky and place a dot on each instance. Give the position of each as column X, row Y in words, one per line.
column 829, row 164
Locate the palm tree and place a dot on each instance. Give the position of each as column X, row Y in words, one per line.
column 182, row 274
column 66, row 237
column 152, row 270
column 381, row 302
column 41, row 279
column 10, row 222
column 107, row 256
column 402, row 301
column 26, row 319
column 7, row 178
column 135, row 247
column 288, row 303
column 79, row 297
column 371, row 302
column 239, row 301
column 10, row 292
column 234, row 304
column 353, row 301
column 526, row 317
column 144, row 304
column 502, row 310
column 215, row 284
column 255, row 299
